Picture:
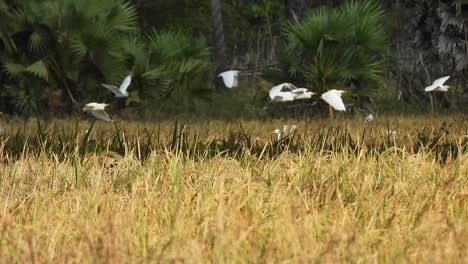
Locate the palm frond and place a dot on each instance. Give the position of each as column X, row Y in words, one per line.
column 39, row 69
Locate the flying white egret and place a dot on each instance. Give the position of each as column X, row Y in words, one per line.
column 302, row 93
column 283, row 97
column 122, row 90
column 97, row 110
column 278, row 90
column 333, row 98
column 438, row 85
column 230, row 78
column 369, row 118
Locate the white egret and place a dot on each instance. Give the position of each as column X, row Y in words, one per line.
column 292, row 129
column 278, row 134
column 333, row 99
column 302, row 93
column 283, row 97
column 438, row 85
column 285, row 129
column 97, row 110
column 122, row 90
column 369, row 118
column 230, row 78
column 278, row 90
column 391, row 132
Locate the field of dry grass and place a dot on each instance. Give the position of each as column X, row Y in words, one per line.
column 230, row 192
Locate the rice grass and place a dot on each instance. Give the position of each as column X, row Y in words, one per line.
column 200, row 192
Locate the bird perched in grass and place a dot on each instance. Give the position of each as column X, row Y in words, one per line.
column 391, row 132
column 120, row 92
column 98, row 111
column 230, row 78
column 278, row 134
column 369, row 118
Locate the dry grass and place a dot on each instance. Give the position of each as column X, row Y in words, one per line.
column 397, row 204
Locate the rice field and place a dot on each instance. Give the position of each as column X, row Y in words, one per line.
column 78, row 191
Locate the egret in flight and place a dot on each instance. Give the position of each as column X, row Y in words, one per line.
column 120, row 92
column 302, row 93
column 438, row 85
column 230, row 78
column 98, row 111
column 280, row 89
column 283, row 97
column 333, row 99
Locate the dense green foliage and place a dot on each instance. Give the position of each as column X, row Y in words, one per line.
column 75, row 45
column 55, row 53
column 333, row 46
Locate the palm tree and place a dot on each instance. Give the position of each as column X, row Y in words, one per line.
column 335, row 46
column 68, row 45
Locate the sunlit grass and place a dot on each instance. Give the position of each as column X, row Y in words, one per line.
column 228, row 192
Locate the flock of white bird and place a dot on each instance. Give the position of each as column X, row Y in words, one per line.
column 285, row 92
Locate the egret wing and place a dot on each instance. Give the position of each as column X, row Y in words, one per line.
column 124, row 86
column 100, row 114
column 276, row 90
column 333, row 98
column 236, row 80
column 440, row 81
column 111, row 88
column 306, row 95
column 229, row 78
column 299, row 90
column 430, row 88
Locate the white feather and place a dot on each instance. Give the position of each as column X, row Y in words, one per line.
column 283, row 97
column 333, row 98
column 94, row 106
column 97, row 110
column 438, row 85
column 299, row 90
column 369, row 118
column 306, row 95
column 122, row 90
column 230, row 78
column 278, row 89
column 124, row 86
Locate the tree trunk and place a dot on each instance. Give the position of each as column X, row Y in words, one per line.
column 219, row 44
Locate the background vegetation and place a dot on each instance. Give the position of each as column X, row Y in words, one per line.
column 54, row 54
column 191, row 190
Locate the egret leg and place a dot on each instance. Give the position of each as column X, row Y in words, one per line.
column 330, row 111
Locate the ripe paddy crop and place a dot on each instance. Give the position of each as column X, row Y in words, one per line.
column 333, row 191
